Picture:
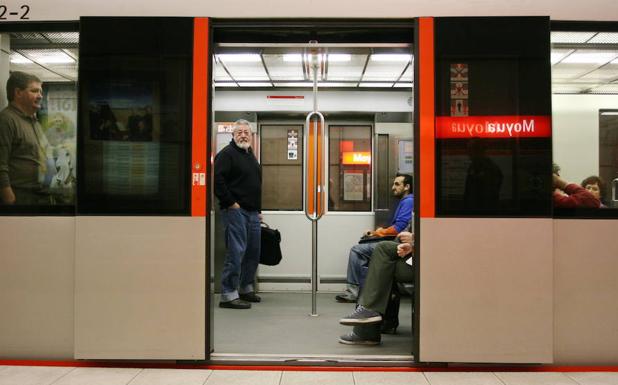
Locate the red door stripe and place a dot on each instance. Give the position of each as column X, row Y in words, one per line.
column 426, row 118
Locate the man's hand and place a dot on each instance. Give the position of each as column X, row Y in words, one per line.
column 406, row 237
column 7, row 195
column 404, row 249
column 559, row 182
column 235, row 206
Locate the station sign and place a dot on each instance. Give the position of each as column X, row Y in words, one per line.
column 356, row 158
column 493, row 127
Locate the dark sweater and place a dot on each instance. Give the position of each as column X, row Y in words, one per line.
column 238, row 178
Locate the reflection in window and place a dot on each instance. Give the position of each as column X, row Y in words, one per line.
column 349, row 185
column 135, row 116
column 281, row 158
column 38, row 154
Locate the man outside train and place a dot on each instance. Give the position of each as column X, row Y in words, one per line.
column 238, row 186
column 360, row 254
column 23, row 145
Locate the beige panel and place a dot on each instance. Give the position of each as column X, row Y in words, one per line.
column 139, row 288
column 586, row 291
column 486, row 290
column 36, row 287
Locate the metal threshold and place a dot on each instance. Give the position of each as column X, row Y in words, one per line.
column 313, row 359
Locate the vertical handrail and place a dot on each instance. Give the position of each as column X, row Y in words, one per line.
column 615, row 193
column 317, row 130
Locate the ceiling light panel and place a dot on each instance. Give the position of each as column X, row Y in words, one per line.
column 605, row 89
column 384, row 70
column 347, row 71
column 246, row 71
column 404, row 85
column 558, row 54
column 220, row 73
column 590, row 57
column 254, row 84
column 571, row 71
column 239, row 58
column 571, row 37
column 286, row 67
column 294, row 84
column 62, row 37
column 605, row 38
column 376, row 84
column 408, row 76
column 48, row 56
column 17, row 58
column 605, row 74
column 391, row 58
column 335, row 84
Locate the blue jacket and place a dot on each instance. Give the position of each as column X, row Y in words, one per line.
column 403, row 213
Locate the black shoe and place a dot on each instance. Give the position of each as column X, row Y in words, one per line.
column 345, row 298
column 235, row 304
column 250, row 297
column 353, row 339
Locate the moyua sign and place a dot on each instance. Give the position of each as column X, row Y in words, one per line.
column 493, row 127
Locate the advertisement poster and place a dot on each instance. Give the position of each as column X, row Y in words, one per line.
column 353, row 185
column 59, row 122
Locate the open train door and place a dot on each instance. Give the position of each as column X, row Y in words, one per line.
column 484, row 122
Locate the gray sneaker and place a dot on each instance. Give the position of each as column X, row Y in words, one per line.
column 352, row 339
column 362, row 316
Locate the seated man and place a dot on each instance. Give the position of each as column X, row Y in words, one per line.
column 360, row 254
column 391, row 261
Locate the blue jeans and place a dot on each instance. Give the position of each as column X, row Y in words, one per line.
column 242, row 240
column 358, row 262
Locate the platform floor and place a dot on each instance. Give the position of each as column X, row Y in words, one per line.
column 44, row 375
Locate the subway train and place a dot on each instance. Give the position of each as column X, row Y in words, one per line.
column 120, row 256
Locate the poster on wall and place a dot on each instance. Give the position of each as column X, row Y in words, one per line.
column 459, row 92
column 353, row 185
column 59, row 122
column 406, row 157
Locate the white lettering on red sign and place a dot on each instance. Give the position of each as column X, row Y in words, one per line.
column 493, row 127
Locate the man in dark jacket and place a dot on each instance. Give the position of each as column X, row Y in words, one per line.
column 238, row 186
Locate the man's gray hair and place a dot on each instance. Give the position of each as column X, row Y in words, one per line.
column 239, row 123
column 19, row 80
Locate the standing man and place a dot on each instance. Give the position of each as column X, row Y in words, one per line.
column 238, row 186
column 23, row 146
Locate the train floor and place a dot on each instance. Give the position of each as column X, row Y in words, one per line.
column 280, row 326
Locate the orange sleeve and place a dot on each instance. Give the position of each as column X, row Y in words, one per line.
column 386, row 232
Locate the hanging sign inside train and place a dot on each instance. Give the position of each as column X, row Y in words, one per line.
column 493, row 127
column 19, row 12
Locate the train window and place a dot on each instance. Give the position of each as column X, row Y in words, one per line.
column 38, row 122
column 282, row 174
column 493, row 124
column 349, row 185
column 585, row 122
column 135, row 95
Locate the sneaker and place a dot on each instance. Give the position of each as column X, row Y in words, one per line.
column 352, row 339
column 250, row 297
column 235, row 304
column 362, row 316
column 345, row 298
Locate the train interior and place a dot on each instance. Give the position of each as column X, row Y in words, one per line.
column 361, row 80
column 363, row 87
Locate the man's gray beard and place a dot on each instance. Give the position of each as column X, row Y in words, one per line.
column 245, row 146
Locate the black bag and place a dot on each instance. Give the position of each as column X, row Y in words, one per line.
column 375, row 238
column 271, row 246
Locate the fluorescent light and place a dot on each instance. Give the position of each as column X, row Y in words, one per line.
column 376, row 84
column 580, row 57
column 335, row 84
column 571, row 37
column 294, row 84
column 19, row 59
column 612, row 113
column 339, row 57
column 605, row 38
column 239, row 57
column 557, row 55
column 292, row 57
column 404, row 85
column 399, row 58
column 225, row 84
column 51, row 56
column 254, row 84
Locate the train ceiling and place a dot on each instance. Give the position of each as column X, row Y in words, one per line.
column 582, row 63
